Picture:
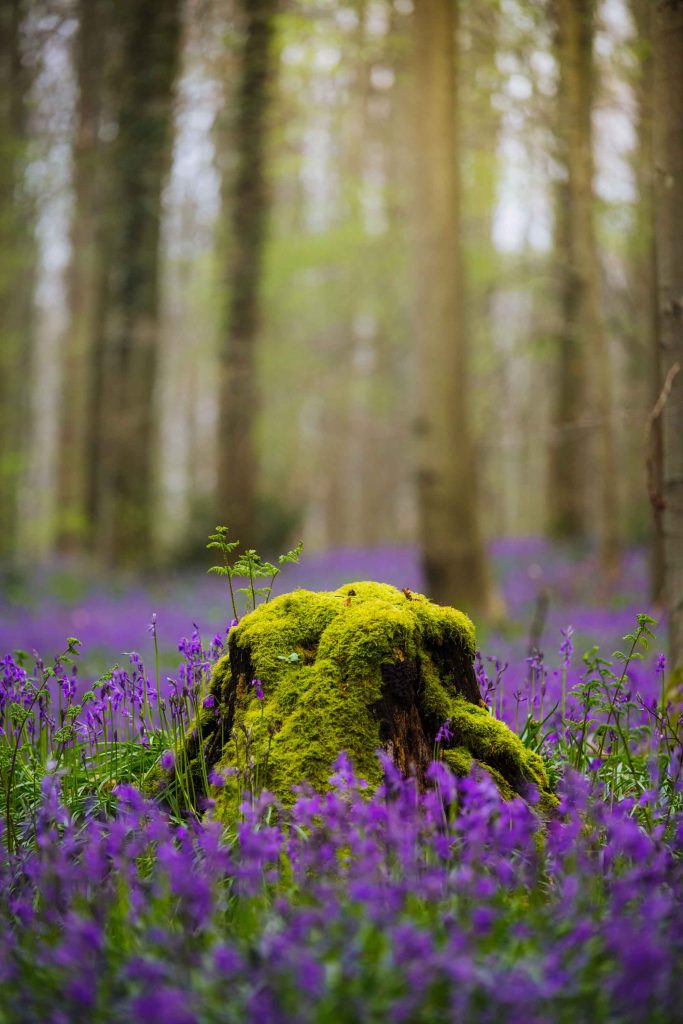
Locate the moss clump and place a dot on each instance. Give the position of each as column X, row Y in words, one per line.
column 494, row 745
column 363, row 667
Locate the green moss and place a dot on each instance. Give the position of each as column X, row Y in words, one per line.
column 504, row 787
column 459, row 760
column 155, row 781
column 436, row 699
column 547, row 803
column 494, row 745
column 322, row 702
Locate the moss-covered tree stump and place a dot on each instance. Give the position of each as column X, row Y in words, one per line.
column 363, row 668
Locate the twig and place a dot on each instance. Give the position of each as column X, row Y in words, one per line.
column 656, row 497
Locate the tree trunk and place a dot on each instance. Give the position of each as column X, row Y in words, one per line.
column 668, row 156
column 480, row 133
column 124, row 354
column 644, row 283
column 583, row 343
column 84, row 280
column 449, row 528
column 17, row 257
column 246, row 196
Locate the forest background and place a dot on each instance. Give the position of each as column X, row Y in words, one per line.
column 363, row 273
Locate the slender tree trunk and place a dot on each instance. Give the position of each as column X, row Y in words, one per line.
column 645, row 282
column 668, row 155
column 17, row 256
column 450, row 536
column 583, row 346
column 480, row 133
column 247, row 196
column 84, row 281
column 124, row 355
column 567, row 514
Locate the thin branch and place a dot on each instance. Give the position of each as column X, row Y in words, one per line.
column 656, row 497
column 658, row 408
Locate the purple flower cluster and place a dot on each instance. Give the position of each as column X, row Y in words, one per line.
column 110, row 731
column 110, row 618
column 450, row 905
column 121, row 704
column 393, row 905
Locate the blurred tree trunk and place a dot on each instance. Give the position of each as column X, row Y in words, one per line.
column 17, row 260
column 84, row 279
column 668, row 156
column 124, row 354
column 644, row 281
column 449, row 530
column 583, row 348
column 480, row 132
column 245, row 195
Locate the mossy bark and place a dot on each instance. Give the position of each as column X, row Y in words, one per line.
column 124, row 351
column 668, row 157
column 362, row 668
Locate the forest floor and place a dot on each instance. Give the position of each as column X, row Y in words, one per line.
column 451, row 904
column 545, row 589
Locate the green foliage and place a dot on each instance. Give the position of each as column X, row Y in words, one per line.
column 317, row 659
column 249, row 565
column 642, row 762
column 19, row 757
column 90, row 771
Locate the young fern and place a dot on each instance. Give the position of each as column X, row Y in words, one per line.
column 219, row 541
column 248, row 565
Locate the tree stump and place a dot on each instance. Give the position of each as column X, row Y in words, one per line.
column 363, row 668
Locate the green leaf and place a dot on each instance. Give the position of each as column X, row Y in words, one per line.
column 292, row 556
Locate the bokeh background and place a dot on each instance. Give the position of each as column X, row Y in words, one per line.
column 374, row 274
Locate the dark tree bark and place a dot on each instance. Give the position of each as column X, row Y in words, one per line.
column 582, row 343
column 644, row 282
column 246, row 197
column 668, row 162
column 84, row 280
column 17, row 257
column 449, row 526
column 124, row 357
